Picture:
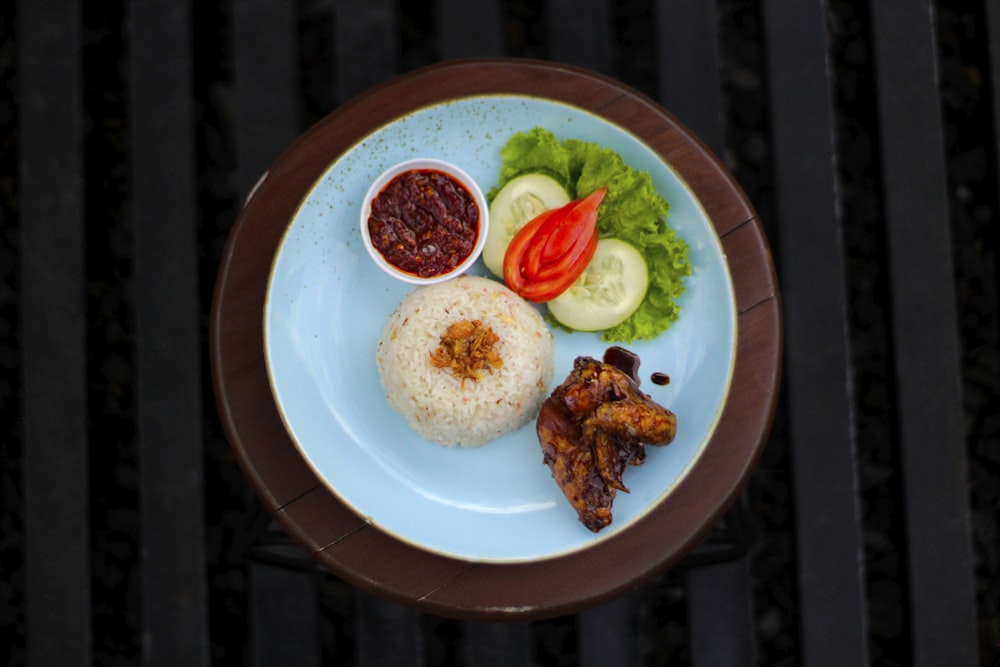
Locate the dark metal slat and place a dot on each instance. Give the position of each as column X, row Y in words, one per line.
column 689, row 79
column 388, row 633
column 366, row 45
column 267, row 91
column 927, row 352
column 168, row 393
column 57, row 568
column 719, row 614
column 284, row 622
column 580, row 33
column 690, row 86
column 993, row 38
column 470, row 28
column 283, row 600
column 609, row 635
column 812, row 271
column 497, row 644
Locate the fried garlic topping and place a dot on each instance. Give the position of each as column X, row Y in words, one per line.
column 467, row 349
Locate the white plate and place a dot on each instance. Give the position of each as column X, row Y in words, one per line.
column 327, row 302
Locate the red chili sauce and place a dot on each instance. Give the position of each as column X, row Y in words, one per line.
column 424, row 222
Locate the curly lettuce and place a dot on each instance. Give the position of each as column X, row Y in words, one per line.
column 632, row 211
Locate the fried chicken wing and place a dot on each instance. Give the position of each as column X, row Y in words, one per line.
column 572, row 466
column 609, row 460
column 633, row 418
column 590, row 384
column 591, row 428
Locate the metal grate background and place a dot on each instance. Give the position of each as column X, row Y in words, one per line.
column 864, row 133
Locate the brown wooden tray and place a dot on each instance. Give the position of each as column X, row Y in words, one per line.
column 375, row 561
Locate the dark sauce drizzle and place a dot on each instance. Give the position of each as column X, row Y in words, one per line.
column 624, row 360
column 627, row 362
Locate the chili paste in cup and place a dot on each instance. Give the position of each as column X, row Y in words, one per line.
column 424, row 220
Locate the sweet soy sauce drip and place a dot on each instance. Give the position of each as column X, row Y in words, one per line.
column 624, row 360
column 627, row 362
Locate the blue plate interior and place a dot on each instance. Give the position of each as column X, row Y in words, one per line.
column 327, row 302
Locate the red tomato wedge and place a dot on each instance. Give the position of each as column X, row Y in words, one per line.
column 550, row 252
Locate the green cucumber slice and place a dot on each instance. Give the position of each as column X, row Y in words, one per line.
column 609, row 291
column 520, row 201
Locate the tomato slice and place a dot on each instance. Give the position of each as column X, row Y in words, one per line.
column 549, row 253
column 578, row 254
column 534, row 261
column 512, row 270
column 549, row 288
column 559, row 242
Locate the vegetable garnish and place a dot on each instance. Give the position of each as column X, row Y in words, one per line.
column 549, row 253
column 632, row 211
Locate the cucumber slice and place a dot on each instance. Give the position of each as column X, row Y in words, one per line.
column 521, row 200
column 609, row 291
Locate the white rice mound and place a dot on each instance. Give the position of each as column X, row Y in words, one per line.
column 433, row 400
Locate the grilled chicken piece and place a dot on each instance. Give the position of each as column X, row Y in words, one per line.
column 633, row 418
column 594, row 425
column 590, row 384
column 573, row 466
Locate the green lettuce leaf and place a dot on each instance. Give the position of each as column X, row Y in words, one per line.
column 536, row 151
